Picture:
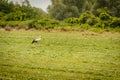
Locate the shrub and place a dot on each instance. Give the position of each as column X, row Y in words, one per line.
column 92, row 21
column 72, row 20
column 12, row 23
column 116, row 29
column 85, row 16
column 115, row 22
column 104, row 20
column 2, row 23
column 105, row 16
column 32, row 24
column 44, row 23
column 24, row 24
column 84, row 26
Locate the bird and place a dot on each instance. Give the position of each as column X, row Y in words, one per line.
column 36, row 40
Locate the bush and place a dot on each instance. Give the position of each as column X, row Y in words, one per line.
column 105, row 16
column 92, row 21
column 84, row 26
column 72, row 20
column 115, row 22
column 24, row 24
column 2, row 24
column 85, row 16
column 44, row 23
column 12, row 23
column 32, row 24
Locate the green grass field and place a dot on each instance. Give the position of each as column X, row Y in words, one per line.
column 59, row 56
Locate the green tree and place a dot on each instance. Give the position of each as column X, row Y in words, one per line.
column 78, row 3
column 61, row 9
column 26, row 3
column 6, row 7
column 89, row 5
column 57, row 10
column 16, row 12
column 112, row 5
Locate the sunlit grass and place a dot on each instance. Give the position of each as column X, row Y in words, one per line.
column 59, row 55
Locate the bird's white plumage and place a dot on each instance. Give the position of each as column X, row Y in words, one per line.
column 36, row 40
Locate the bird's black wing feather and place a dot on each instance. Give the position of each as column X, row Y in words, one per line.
column 33, row 41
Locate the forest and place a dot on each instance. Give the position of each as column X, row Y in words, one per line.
column 78, row 15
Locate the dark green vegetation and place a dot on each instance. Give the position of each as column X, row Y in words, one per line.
column 16, row 12
column 59, row 56
column 62, row 9
column 93, row 15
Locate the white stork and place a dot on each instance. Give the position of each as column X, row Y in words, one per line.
column 36, row 40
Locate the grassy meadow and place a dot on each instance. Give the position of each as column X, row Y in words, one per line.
column 59, row 55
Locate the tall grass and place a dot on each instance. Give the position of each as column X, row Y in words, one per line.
column 59, row 55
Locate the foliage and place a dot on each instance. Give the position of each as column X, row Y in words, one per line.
column 92, row 21
column 65, row 9
column 85, row 16
column 115, row 22
column 73, row 8
column 16, row 12
column 62, row 14
column 2, row 23
column 15, row 24
column 57, row 11
column 103, row 21
column 112, row 5
column 44, row 23
column 104, row 16
column 72, row 20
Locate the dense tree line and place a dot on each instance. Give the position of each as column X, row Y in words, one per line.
column 62, row 9
column 19, row 12
column 62, row 14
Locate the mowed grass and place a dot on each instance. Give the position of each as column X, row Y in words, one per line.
column 59, row 56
